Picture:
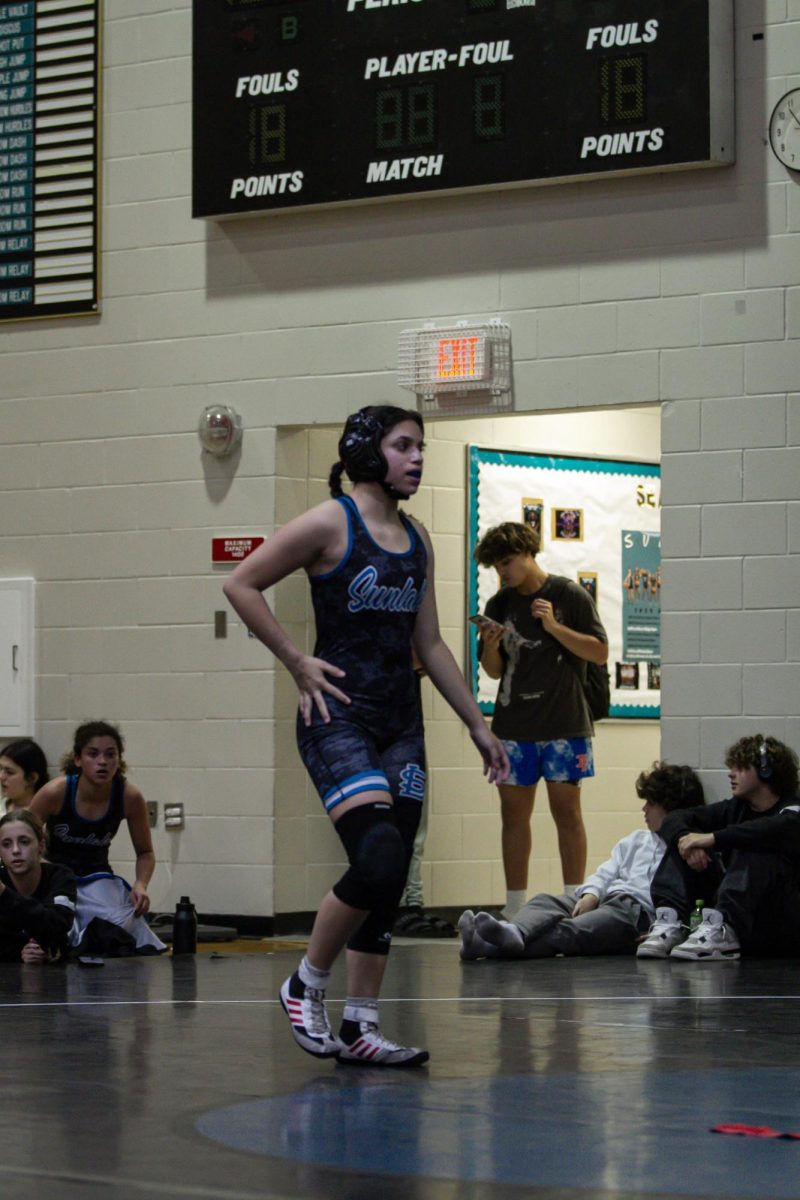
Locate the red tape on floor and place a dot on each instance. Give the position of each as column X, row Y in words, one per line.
column 759, row 1131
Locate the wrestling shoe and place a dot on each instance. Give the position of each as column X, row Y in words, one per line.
column 305, row 1008
column 665, row 932
column 362, row 1042
column 712, row 939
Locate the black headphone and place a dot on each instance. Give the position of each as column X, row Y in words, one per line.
column 764, row 764
column 360, row 448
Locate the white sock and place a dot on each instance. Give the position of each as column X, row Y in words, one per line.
column 503, row 934
column 361, row 1008
column 514, row 902
column 570, row 889
column 472, row 944
column 312, row 976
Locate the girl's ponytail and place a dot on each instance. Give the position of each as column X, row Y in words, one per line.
column 335, row 479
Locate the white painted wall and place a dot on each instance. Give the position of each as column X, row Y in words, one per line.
column 681, row 289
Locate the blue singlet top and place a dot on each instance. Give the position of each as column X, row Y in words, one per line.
column 365, row 609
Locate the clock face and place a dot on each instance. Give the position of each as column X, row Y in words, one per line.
column 784, row 130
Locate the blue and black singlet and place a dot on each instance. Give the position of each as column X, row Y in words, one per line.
column 365, row 610
column 78, row 842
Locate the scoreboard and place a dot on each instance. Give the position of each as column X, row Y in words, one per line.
column 298, row 103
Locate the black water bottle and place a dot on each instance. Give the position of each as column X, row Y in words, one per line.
column 184, row 929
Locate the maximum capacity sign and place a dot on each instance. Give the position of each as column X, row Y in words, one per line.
column 316, row 102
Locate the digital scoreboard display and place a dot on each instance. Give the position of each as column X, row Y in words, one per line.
column 320, row 102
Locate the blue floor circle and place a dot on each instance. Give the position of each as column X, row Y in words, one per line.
column 621, row 1131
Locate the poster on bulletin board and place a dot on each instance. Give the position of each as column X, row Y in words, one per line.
column 599, row 520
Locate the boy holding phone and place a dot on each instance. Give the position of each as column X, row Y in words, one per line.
column 543, row 627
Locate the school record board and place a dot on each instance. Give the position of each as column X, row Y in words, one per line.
column 49, row 158
column 299, row 103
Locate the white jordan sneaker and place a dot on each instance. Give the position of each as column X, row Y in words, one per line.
column 665, row 933
column 712, row 939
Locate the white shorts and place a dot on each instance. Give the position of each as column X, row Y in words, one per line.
column 109, row 897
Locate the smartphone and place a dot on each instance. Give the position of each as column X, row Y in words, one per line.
column 484, row 622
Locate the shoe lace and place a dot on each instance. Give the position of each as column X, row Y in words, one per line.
column 318, row 1022
column 371, row 1030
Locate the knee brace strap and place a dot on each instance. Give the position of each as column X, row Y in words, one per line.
column 377, row 856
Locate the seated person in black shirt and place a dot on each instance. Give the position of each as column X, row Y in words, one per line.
column 37, row 899
column 741, row 857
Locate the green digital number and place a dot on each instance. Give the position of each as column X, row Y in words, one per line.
column 267, row 130
column 405, row 117
column 488, row 106
column 622, row 89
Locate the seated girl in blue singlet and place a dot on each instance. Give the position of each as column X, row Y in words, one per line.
column 359, row 727
column 83, row 809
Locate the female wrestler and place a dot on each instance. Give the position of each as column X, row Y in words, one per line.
column 84, row 809
column 37, row 899
column 23, row 770
column 359, row 725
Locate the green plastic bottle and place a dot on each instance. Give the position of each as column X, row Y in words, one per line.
column 696, row 917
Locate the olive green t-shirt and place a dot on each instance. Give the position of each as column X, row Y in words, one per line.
column 541, row 697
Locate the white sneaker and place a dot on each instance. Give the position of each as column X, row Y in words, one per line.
column 371, row 1048
column 665, row 932
column 712, row 939
column 311, row 1028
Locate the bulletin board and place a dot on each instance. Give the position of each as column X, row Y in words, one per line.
column 600, row 525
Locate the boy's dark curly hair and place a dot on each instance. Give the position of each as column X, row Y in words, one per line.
column 781, row 761
column 503, row 541
column 670, row 786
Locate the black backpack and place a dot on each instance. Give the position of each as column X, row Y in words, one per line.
column 597, row 689
column 594, row 678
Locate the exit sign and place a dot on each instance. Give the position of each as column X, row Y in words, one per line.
column 462, row 359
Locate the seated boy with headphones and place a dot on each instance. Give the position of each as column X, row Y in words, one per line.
column 753, row 906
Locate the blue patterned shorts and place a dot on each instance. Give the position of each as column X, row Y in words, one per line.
column 566, row 760
column 364, row 749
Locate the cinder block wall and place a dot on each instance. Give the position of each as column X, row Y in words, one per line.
column 731, row 543
column 681, row 289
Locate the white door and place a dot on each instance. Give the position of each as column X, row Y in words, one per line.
column 16, row 657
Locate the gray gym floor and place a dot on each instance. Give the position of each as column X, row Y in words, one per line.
column 561, row 1079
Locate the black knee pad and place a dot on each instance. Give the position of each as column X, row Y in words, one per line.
column 375, row 935
column 377, row 856
column 382, row 858
column 408, row 814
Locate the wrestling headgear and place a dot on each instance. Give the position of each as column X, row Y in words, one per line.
column 360, row 444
